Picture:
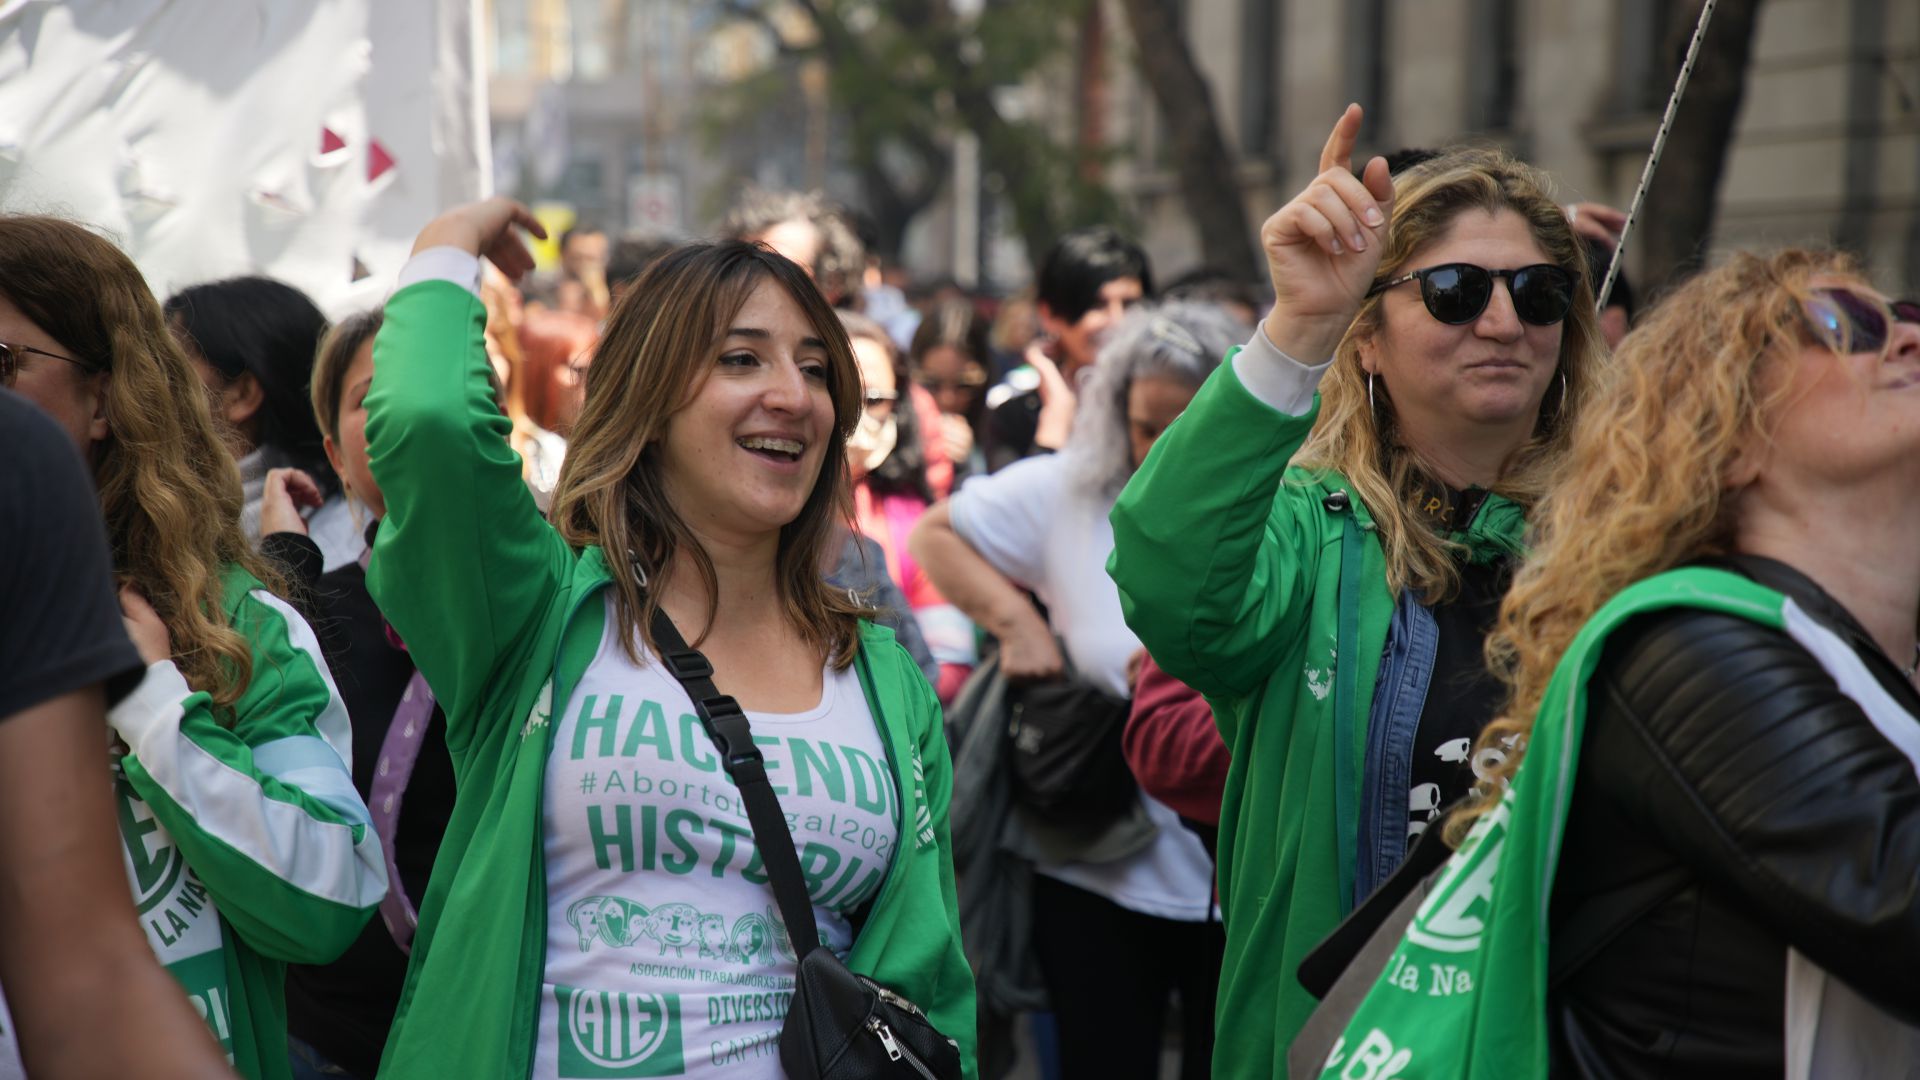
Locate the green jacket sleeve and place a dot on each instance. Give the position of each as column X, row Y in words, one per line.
column 1214, row 568
column 952, row 996
column 912, row 944
column 464, row 566
column 265, row 812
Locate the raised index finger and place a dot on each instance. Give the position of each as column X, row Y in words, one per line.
column 1340, row 144
column 524, row 218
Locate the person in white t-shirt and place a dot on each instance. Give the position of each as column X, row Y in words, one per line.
column 600, row 907
column 1115, row 938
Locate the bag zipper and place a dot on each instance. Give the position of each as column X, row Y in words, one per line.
column 894, row 999
column 896, row 1052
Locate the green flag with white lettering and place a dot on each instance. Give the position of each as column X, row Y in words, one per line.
column 1465, row 993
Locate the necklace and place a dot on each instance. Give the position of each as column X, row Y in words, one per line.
column 1914, row 668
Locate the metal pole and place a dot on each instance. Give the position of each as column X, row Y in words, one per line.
column 1659, row 144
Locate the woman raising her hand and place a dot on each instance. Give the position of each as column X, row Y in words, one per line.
column 1321, row 542
column 600, row 906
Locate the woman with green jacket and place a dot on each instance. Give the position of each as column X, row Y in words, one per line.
column 1320, row 543
column 598, row 907
column 246, row 846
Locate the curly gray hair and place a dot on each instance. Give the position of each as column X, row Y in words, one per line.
column 1179, row 340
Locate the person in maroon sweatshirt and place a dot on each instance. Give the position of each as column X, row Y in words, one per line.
column 1174, row 749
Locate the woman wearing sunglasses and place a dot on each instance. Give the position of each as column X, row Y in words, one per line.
column 247, row 846
column 1716, row 630
column 1324, row 566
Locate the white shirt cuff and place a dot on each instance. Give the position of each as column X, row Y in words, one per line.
column 153, row 706
column 443, row 263
column 1276, row 379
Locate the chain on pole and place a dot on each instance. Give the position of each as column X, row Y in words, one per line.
column 1659, row 144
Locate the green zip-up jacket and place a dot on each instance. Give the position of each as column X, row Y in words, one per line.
column 1254, row 583
column 248, row 846
column 494, row 606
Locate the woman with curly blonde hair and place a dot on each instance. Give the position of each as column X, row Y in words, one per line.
column 1744, row 801
column 1321, row 541
column 1711, row 655
column 247, row 845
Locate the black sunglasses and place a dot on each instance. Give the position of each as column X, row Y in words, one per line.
column 1847, row 321
column 1456, row 293
column 10, row 361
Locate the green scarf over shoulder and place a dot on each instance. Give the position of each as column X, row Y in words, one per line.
column 1465, row 993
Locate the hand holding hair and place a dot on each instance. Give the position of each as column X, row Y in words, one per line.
column 286, row 491
column 144, row 626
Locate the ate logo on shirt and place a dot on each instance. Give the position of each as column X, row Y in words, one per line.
column 609, row 1034
column 154, row 863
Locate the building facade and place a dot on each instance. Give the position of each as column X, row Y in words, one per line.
column 1826, row 149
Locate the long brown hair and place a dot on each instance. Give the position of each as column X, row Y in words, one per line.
column 1642, row 488
column 1361, row 442
column 169, row 490
column 658, row 348
column 331, row 362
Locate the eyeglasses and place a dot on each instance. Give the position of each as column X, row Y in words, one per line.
column 10, row 361
column 1456, row 293
column 880, row 397
column 971, row 378
column 1850, row 322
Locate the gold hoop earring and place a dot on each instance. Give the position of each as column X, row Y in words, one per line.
column 1370, row 405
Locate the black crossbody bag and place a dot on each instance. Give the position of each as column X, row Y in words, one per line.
column 840, row 1026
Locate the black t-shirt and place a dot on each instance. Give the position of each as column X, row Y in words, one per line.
column 1011, row 426
column 60, row 627
column 345, row 1009
column 1462, row 694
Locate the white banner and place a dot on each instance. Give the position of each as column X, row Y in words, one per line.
column 307, row 140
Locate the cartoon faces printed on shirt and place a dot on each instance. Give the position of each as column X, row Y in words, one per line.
column 620, row 923
column 1425, row 801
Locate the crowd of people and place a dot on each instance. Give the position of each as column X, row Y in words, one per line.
column 1401, row 667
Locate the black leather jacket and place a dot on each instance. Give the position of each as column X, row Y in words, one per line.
column 1730, row 802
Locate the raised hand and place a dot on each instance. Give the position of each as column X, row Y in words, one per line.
column 1324, row 246
column 144, row 626
column 1597, row 221
column 958, row 436
column 486, row 228
column 286, row 491
column 1057, row 400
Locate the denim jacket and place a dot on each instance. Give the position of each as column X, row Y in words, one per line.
column 1399, row 695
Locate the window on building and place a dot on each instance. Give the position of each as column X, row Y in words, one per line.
column 591, row 25
column 1365, row 44
column 512, row 46
column 584, row 182
column 1259, row 75
column 1493, row 78
column 1642, row 71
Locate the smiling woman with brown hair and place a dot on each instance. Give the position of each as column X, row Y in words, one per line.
column 707, row 472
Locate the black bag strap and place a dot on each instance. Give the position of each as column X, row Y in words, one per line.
column 732, row 736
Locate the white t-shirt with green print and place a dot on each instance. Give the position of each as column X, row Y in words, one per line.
column 666, row 953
